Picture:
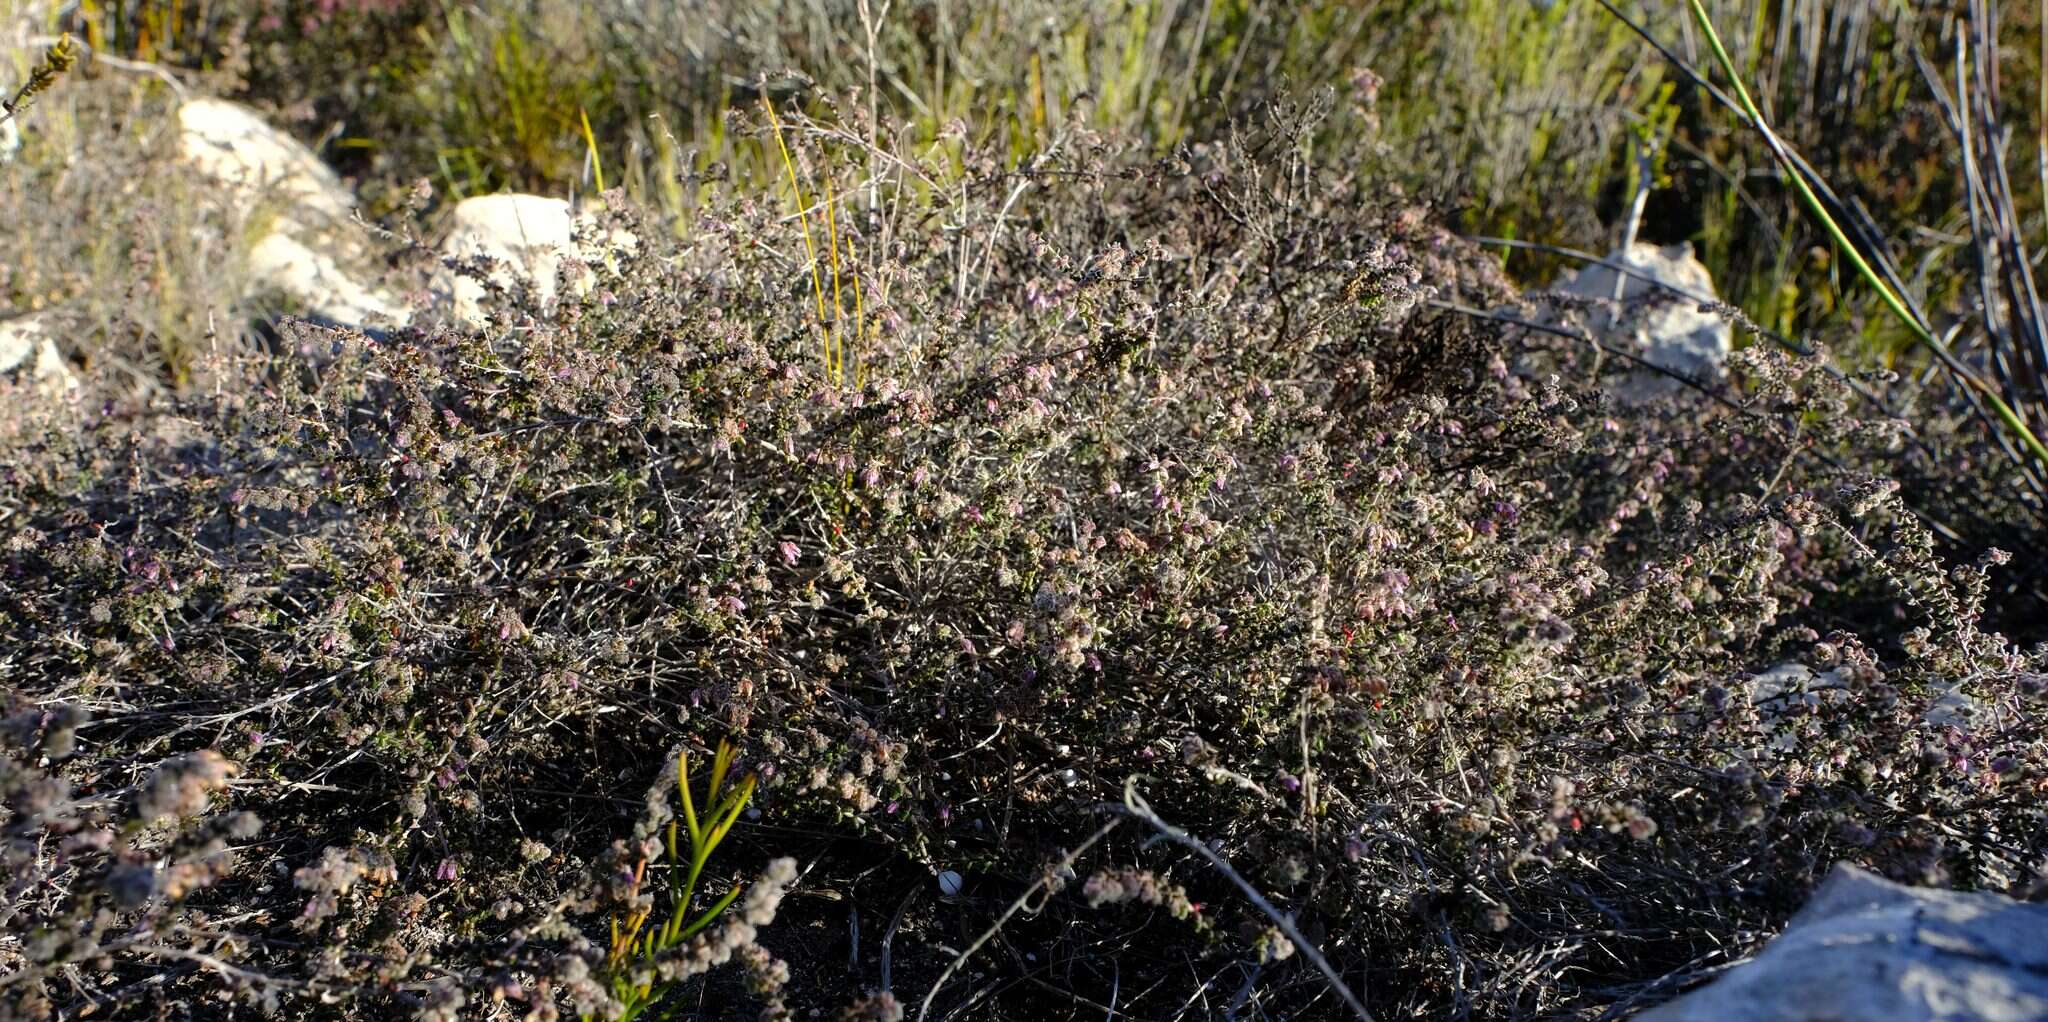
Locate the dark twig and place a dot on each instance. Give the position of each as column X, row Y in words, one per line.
column 1136, row 805
column 1066, row 863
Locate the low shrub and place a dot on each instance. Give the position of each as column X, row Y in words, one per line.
column 1184, row 486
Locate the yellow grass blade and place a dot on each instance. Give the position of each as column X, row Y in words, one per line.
column 803, row 216
column 590, row 145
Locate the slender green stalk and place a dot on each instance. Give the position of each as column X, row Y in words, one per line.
column 860, row 323
column 838, row 341
column 633, row 947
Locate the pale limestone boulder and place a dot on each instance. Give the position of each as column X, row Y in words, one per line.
column 1867, row 948
column 263, row 171
column 525, row 234
column 325, row 290
column 29, row 357
column 528, row 236
column 1668, row 330
column 232, row 144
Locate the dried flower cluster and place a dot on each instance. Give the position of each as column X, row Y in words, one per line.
column 1116, row 887
column 59, row 58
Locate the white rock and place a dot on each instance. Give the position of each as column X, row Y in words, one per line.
column 526, row 234
column 318, row 282
column 256, row 166
column 232, row 144
column 1669, row 330
column 28, row 354
column 1867, row 948
column 529, row 236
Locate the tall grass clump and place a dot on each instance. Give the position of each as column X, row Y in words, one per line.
column 2002, row 220
column 1183, row 492
column 1969, row 313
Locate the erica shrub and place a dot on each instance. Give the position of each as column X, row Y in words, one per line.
column 1180, row 474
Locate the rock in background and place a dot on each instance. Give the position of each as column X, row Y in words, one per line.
column 527, row 238
column 312, row 235
column 29, row 357
column 1663, row 324
column 312, row 241
column 234, row 146
column 286, row 222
